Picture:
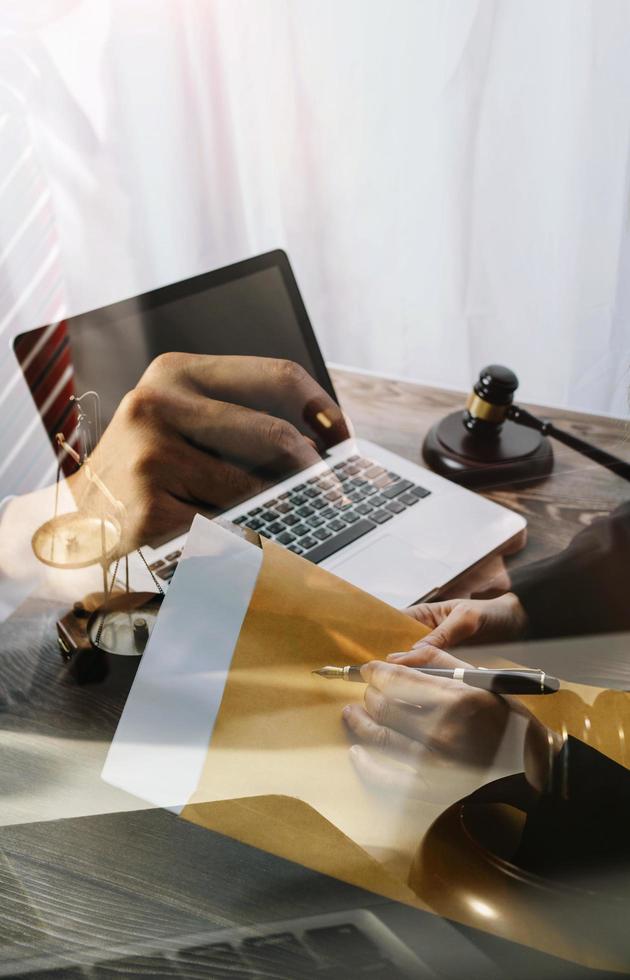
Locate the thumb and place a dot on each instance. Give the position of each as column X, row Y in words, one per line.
column 431, row 614
column 462, row 623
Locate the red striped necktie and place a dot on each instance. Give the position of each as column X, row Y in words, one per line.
column 45, row 358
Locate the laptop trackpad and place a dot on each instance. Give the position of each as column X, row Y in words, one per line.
column 393, row 570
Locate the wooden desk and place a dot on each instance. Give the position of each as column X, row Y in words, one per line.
column 98, row 879
column 398, row 414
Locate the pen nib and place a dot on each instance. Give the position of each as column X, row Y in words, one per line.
column 329, row 672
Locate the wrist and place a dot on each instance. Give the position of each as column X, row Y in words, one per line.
column 516, row 615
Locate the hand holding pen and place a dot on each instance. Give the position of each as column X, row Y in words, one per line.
column 433, row 715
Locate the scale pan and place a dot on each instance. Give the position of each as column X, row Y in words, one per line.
column 124, row 623
column 76, row 540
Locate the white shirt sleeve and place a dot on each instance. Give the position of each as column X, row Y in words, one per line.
column 3, row 504
column 13, row 590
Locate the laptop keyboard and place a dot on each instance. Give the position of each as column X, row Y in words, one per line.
column 327, row 512
column 327, row 947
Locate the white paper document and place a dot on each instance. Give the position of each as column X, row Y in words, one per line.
column 162, row 738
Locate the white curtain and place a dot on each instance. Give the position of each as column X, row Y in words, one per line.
column 450, row 179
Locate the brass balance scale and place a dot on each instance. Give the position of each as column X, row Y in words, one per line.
column 117, row 622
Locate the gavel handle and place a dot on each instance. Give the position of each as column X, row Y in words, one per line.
column 522, row 417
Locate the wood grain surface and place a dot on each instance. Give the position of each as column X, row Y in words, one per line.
column 398, row 415
column 97, row 881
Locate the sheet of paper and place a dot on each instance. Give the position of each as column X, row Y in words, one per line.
column 162, row 738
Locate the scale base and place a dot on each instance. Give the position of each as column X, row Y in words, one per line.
column 97, row 638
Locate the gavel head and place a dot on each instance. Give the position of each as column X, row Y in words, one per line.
column 490, row 401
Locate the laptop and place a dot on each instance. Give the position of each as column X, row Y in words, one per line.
column 383, row 523
column 329, row 946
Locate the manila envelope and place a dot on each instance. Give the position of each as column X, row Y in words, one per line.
column 226, row 725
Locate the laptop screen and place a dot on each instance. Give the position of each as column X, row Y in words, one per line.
column 251, row 308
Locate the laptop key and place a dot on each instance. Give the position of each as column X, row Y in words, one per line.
column 344, row 944
column 395, row 507
column 380, row 516
column 318, row 503
column 216, row 960
column 167, row 572
column 364, row 508
column 328, row 513
column 279, row 955
column 255, row 524
column 339, row 541
column 420, row 491
column 276, row 527
column 283, row 507
column 296, row 549
column 291, row 519
column 397, row 488
column 297, row 499
column 269, row 515
column 156, row 564
column 374, row 471
column 351, row 516
column 173, row 555
column 408, row 499
column 321, row 533
column 336, row 525
column 316, row 521
column 305, row 511
column 307, row 543
column 300, row 529
column 285, row 538
column 383, row 481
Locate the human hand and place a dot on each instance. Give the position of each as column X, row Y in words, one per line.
column 200, row 433
column 458, row 621
column 414, row 716
column 435, row 738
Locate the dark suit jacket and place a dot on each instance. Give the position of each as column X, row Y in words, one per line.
column 584, row 589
